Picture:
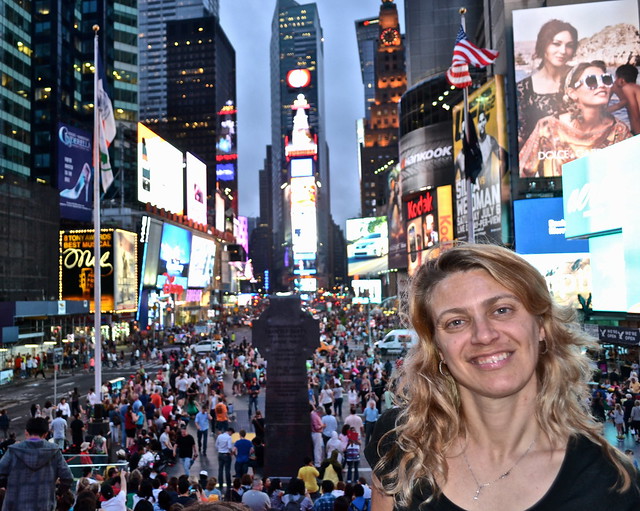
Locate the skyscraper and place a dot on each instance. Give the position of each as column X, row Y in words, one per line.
column 152, row 44
column 367, row 32
column 379, row 140
column 297, row 68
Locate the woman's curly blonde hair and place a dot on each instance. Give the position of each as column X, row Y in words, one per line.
column 430, row 417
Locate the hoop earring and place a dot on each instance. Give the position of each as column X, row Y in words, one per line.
column 440, row 364
column 546, row 348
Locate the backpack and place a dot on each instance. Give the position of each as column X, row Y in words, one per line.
column 294, row 505
column 352, row 452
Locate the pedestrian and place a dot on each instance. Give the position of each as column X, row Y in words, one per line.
column 371, row 415
column 242, row 450
column 254, row 392
column 255, row 499
column 4, row 423
column 309, row 474
column 224, row 446
column 352, row 457
column 316, row 435
column 59, row 430
column 202, row 425
column 185, row 449
column 29, row 471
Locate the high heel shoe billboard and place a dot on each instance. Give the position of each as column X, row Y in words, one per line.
column 75, row 173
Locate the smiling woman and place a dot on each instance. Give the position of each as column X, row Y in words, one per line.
column 494, row 390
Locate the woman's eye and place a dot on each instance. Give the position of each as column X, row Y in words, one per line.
column 454, row 323
column 503, row 310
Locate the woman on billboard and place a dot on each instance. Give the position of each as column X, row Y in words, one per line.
column 540, row 94
column 584, row 126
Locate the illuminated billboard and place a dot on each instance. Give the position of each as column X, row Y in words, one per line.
column 160, row 172
column 556, row 88
column 225, row 171
column 125, row 262
column 196, row 189
column 241, row 232
column 540, row 238
column 75, row 173
column 304, row 229
column 77, row 271
column 366, row 291
column 491, row 191
column 426, row 157
column 367, row 245
column 150, row 236
column 601, row 203
column 201, row 262
column 173, row 263
column 220, row 211
column 429, row 217
column 397, row 238
column 301, row 167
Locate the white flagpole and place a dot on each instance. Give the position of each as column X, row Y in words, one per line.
column 97, row 291
column 471, row 237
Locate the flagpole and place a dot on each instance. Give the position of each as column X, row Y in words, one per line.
column 471, row 237
column 97, row 291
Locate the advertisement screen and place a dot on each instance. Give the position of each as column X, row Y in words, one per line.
column 491, row 191
column 367, row 245
column 421, row 214
column 601, row 202
column 125, row 246
column 304, row 230
column 196, row 189
column 203, row 253
column 366, row 291
column 76, row 267
column 220, row 211
column 225, row 171
column 241, row 232
column 540, row 228
column 150, row 236
column 302, row 167
column 426, row 157
column 397, row 258
column 173, row 264
column 558, row 85
column 75, row 173
column 160, row 172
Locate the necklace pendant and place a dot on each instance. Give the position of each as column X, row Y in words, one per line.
column 477, row 495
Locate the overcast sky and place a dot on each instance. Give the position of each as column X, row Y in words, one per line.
column 247, row 23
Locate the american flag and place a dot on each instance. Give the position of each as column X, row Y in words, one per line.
column 465, row 53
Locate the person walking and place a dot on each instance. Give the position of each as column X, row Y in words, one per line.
column 202, row 425
column 242, row 450
column 185, row 449
column 29, row 471
column 59, row 430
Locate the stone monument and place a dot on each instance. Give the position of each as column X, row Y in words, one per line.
column 286, row 337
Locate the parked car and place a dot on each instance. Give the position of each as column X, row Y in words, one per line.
column 397, row 341
column 371, row 245
column 206, row 346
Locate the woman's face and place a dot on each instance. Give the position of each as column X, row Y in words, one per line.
column 560, row 50
column 485, row 336
column 583, row 95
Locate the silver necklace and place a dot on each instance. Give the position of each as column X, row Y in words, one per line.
column 504, row 475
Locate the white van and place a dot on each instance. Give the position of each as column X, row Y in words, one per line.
column 397, row 341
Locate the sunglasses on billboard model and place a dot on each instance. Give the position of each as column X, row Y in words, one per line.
column 594, row 81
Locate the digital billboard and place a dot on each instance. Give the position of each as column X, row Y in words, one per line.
column 540, row 226
column 563, row 96
column 77, row 271
column 125, row 262
column 225, row 171
column 397, row 257
column 241, row 232
column 366, row 291
column 601, row 203
column 367, row 245
column 220, row 211
column 196, row 192
column 75, row 173
column 301, row 167
column 201, row 262
column 160, row 172
column 304, row 229
column 491, row 191
column 173, row 263
column 150, row 237
column 426, row 157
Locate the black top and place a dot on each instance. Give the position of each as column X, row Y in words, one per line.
column 583, row 483
column 185, row 446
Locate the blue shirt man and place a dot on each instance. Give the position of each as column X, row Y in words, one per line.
column 242, row 449
column 202, row 425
